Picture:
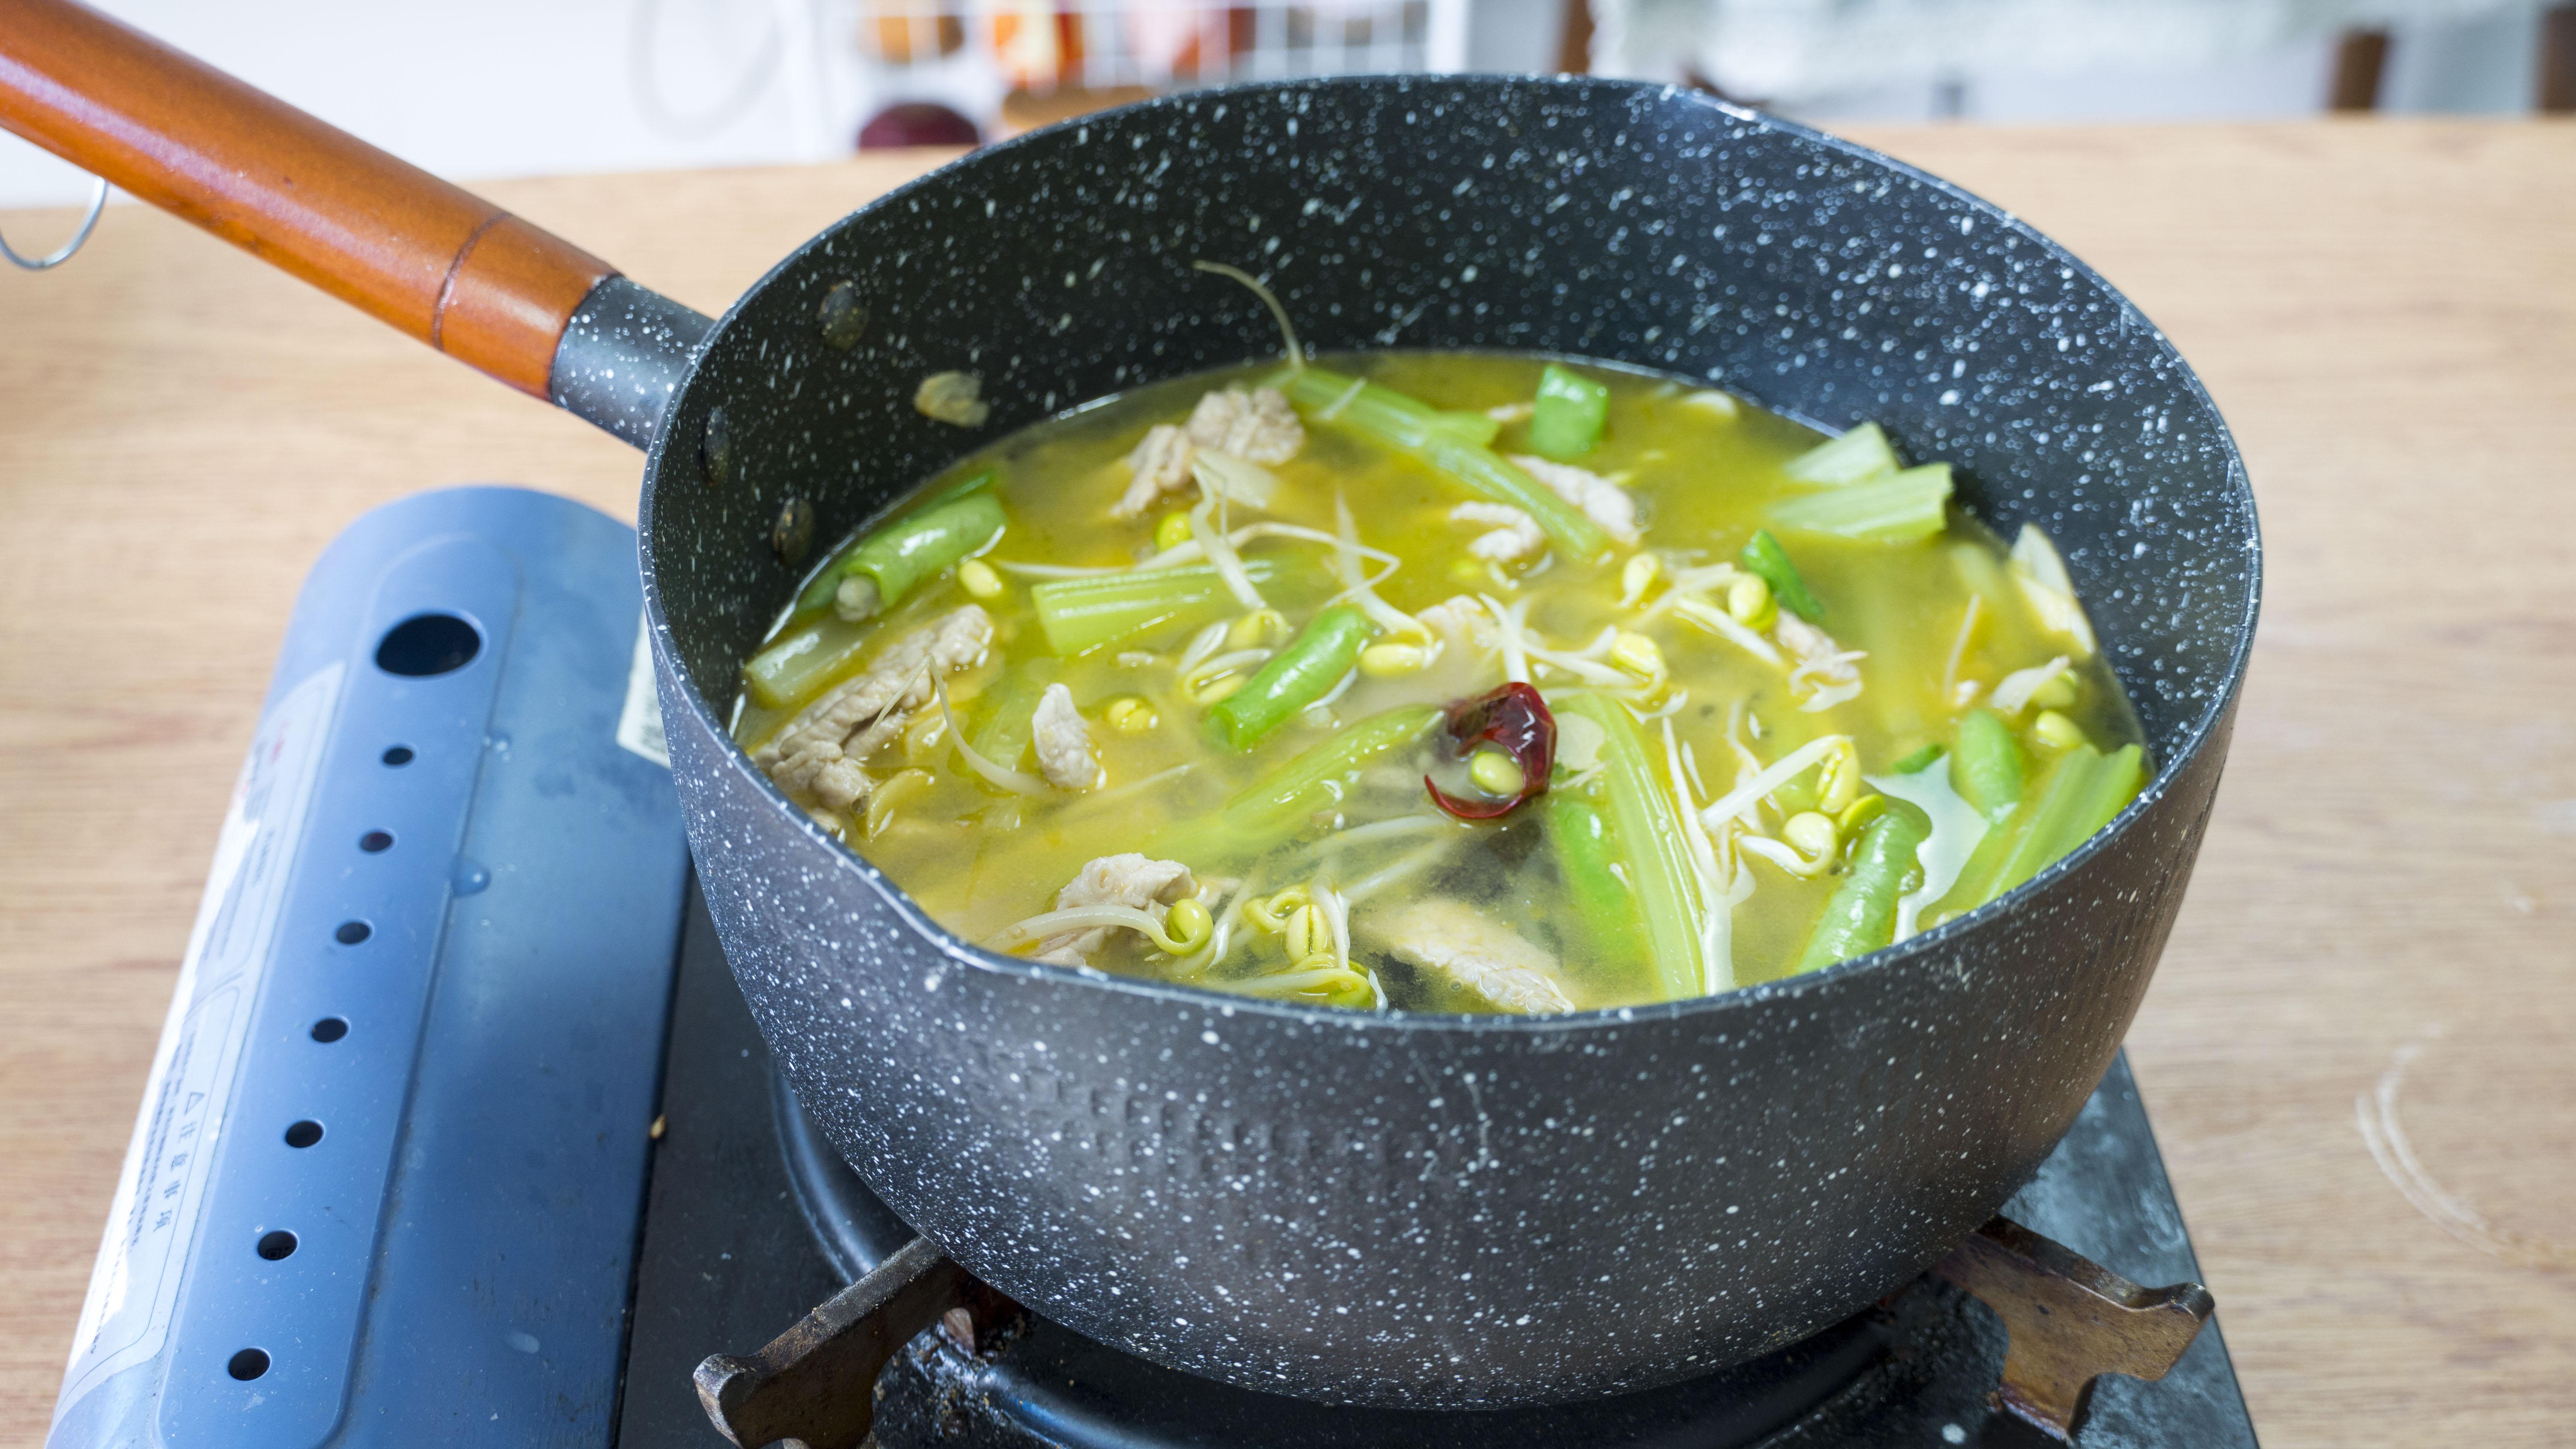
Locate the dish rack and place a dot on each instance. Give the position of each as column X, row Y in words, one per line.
column 1010, row 65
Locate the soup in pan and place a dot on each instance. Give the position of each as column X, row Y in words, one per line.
column 1442, row 682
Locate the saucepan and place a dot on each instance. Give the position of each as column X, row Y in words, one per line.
column 1420, row 1210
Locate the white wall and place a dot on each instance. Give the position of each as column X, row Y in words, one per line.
column 478, row 88
column 475, row 88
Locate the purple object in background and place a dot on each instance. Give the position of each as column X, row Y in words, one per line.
column 917, row 123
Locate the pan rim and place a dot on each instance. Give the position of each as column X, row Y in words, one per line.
column 2197, row 735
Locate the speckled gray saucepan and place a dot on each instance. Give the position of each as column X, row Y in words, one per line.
column 1431, row 1210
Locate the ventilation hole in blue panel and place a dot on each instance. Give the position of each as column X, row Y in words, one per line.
column 428, row 644
column 248, row 1364
column 352, row 932
column 304, row 1134
column 374, row 841
column 276, row 1244
column 398, row 756
column 330, row 1029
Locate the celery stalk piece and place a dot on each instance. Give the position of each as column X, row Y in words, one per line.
column 955, row 522
column 1566, row 421
column 2078, row 796
column 1764, row 558
column 1988, row 765
column 1282, row 801
column 1861, row 915
column 1322, row 653
column 1586, row 864
column 1897, row 508
column 1433, row 438
column 1010, row 709
column 1646, row 838
column 1857, row 456
column 1080, row 615
column 2122, row 774
column 1473, row 428
column 2057, row 818
column 795, row 666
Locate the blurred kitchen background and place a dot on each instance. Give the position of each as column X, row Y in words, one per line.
column 486, row 88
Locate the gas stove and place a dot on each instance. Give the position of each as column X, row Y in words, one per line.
column 754, row 1221
column 459, row 1127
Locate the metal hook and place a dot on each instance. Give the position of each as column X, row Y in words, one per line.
column 63, row 253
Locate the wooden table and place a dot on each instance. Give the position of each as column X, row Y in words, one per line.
column 2387, row 312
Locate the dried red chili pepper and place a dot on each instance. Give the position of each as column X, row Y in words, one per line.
column 1515, row 718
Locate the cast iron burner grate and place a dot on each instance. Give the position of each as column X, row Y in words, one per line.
column 754, row 1219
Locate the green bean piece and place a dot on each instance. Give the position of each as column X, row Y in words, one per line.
column 1316, row 660
column 1905, row 507
column 1919, row 761
column 1988, row 768
column 1861, row 916
column 1436, row 439
column 817, row 593
column 1080, row 615
column 903, row 553
column 1566, row 421
column 1585, row 863
column 1646, row 839
column 1765, row 559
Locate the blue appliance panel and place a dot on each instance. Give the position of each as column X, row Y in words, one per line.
column 411, row 1086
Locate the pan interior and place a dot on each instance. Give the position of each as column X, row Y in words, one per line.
column 1634, row 224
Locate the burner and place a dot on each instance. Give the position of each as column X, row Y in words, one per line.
column 1043, row 1384
column 755, row 1219
column 531, row 1281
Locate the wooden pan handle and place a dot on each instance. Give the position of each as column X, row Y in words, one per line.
column 386, row 237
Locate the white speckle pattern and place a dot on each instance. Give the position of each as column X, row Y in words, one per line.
column 1071, row 1136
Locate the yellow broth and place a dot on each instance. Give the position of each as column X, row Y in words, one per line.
column 1703, row 472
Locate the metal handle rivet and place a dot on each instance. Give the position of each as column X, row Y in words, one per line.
column 844, row 317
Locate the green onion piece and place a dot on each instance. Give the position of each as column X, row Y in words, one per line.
column 1080, row 615
column 903, row 553
column 1327, row 649
column 1856, row 456
column 1646, row 840
column 1585, row 862
column 1861, row 915
column 1764, row 558
column 1567, row 419
column 1988, row 768
column 1917, row 762
column 1897, row 508
column 1433, row 438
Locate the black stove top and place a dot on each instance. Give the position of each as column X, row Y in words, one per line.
column 752, row 1220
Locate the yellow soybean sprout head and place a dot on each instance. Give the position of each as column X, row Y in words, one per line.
column 1187, row 927
column 1840, row 783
